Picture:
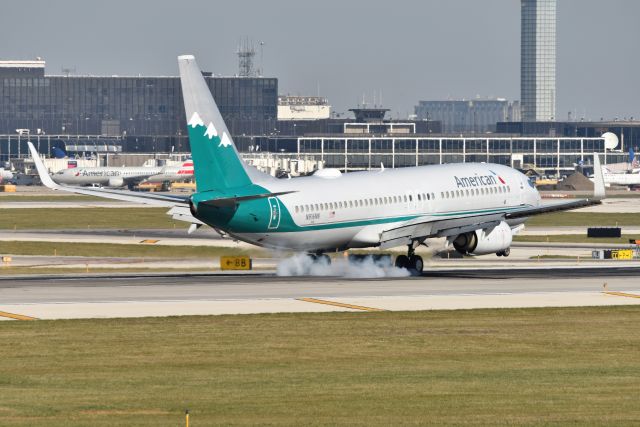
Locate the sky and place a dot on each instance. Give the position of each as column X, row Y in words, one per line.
column 405, row 50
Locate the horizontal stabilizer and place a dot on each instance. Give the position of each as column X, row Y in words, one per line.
column 231, row 201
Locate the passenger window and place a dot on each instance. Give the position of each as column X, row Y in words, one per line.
column 297, row 209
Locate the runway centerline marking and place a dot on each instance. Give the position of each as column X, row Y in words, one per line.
column 340, row 304
column 622, row 294
column 16, row 316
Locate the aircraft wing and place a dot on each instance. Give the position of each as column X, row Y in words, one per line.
column 167, row 200
column 128, row 196
column 430, row 226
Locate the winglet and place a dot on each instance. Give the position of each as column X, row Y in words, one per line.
column 598, row 179
column 42, row 170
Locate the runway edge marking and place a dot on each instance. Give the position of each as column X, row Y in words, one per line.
column 16, row 316
column 340, row 304
column 621, row 294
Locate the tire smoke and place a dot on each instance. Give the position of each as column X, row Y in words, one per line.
column 367, row 268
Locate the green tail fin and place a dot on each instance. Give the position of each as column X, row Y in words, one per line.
column 216, row 163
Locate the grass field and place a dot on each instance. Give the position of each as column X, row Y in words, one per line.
column 576, row 238
column 577, row 366
column 59, row 271
column 56, row 197
column 584, row 219
column 154, row 218
column 117, row 250
column 61, row 218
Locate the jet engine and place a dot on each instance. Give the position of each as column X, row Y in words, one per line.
column 193, row 208
column 485, row 241
column 115, row 182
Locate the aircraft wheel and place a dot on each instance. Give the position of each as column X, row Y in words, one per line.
column 506, row 252
column 320, row 258
column 402, row 261
column 324, row 258
column 416, row 263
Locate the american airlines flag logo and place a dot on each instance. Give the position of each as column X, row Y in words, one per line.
column 186, row 168
column 499, row 177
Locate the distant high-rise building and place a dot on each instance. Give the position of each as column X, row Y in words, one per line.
column 538, row 60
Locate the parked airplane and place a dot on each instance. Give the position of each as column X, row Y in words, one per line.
column 174, row 173
column 476, row 206
column 121, row 176
column 631, row 179
column 5, row 175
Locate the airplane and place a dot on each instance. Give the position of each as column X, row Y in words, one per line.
column 174, row 173
column 631, row 179
column 476, row 206
column 5, row 175
column 121, row 176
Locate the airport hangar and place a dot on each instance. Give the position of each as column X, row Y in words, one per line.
column 144, row 114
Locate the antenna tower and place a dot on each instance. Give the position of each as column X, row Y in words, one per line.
column 246, row 54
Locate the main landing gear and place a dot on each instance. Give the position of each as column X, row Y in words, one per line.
column 411, row 261
column 504, row 253
column 320, row 258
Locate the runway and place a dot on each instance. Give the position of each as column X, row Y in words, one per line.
column 106, row 296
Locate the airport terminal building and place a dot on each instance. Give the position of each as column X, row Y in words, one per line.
column 142, row 113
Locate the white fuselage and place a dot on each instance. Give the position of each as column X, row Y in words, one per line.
column 621, row 178
column 352, row 210
column 119, row 176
